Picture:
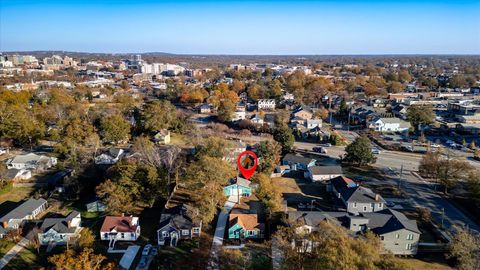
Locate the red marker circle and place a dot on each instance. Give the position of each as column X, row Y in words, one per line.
column 247, row 172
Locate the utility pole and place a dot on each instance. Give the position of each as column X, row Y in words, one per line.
column 348, row 121
column 330, row 109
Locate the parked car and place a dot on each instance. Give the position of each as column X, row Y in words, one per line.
column 146, row 250
column 2, row 151
column 319, row 149
column 376, row 151
column 143, row 261
column 326, row 144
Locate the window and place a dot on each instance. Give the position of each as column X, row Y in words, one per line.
column 185, row 232
column 397, row 236
column 382, row 238
column 132, row 235
column 164, row 234
column 409, row 236
column 365, row 208
column 355, row 204
column 251, row 233
column 122, row 235
column 196, row 230
column 409, row 246
column 105, row 235
column 380, row 205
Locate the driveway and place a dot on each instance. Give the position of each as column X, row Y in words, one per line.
column 220, row 230
column 13, row 252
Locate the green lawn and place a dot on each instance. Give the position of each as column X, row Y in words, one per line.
column 5, row 246
column 27, row 259
column 419, row 264
column 178, row 139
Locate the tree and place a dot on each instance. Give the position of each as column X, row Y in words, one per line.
column 333, row 248
column 283, row 135
column 114, row 128
column 205, row 179
column 395, row 87
column 360, row 151
column 84, row 260
column 268, row 193
column 157, row 115
column 124, row 84
column 420, row 115
column 465, row 248
column 226, row 111
column 269, row 156
column 85, row 239
column 321, row 113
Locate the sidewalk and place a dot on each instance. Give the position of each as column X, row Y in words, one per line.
column 13, row 252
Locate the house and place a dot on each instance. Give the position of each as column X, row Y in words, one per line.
column 28, row 210
column 18, row 174
column 162, row 137
column 355, row 198
column 96, row 206
column 60, row 230
column 389, row 124
column 239, row 114
column 205, row 108
column 313, row 123
column 266, row 104
column 302, row 112
column 398, row 234
column 298, row 162
column 31, row 161
column 244, row 226
column 256, row 120
column 110, row 157
column 324, row 173
column 120, row 228
column 282, row 169
column 399, row 111
column 239, row 187
column 177, row 223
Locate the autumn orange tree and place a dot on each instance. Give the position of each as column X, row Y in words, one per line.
column 84, row 260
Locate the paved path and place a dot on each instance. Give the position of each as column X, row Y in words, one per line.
column 220, row 230
column 13, row 252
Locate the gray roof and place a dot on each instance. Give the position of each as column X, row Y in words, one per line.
column 60, row 225
column 389, row 220
column 24, row 209
column 178, row 217
column 325, row 170
column 243, row 182
column 360, row 194
column 313, row 218
column 298, row 159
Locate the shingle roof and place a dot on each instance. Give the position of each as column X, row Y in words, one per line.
column 297, row 159
column 119, row 224
column 178, row 217
column 341, row 182
column 24, row 209
column 389, row 220
column 361, row 195
column 325, row 170
column 246, row 221
column 313, row 218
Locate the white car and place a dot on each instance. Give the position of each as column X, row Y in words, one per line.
column 2, row 151
column 376, row 151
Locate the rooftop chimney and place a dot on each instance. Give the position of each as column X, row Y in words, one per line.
column 377, row 197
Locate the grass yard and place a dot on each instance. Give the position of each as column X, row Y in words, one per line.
column 419, row 264
column 286, row 185
column 27, row 259
column 5, row 246
column 178, row 139
column 15, row 194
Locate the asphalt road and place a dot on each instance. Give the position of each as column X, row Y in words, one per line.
column 420, row 193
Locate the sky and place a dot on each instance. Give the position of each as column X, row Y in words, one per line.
column 243, row 27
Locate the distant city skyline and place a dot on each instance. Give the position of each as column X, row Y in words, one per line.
column 369, row 27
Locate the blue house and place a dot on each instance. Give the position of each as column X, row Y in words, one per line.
column 244, row 226
column 239, row 187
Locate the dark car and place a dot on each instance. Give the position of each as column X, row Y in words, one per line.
column 143, row 261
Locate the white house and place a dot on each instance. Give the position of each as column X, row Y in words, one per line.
column 266, row 104
column 26, row 211
column 120, row 228
column 60, row 230
column 238, row 115
column 257, row 120
column 110, row 157
column 389, row 124
column 31, row 161
column 324, row 173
